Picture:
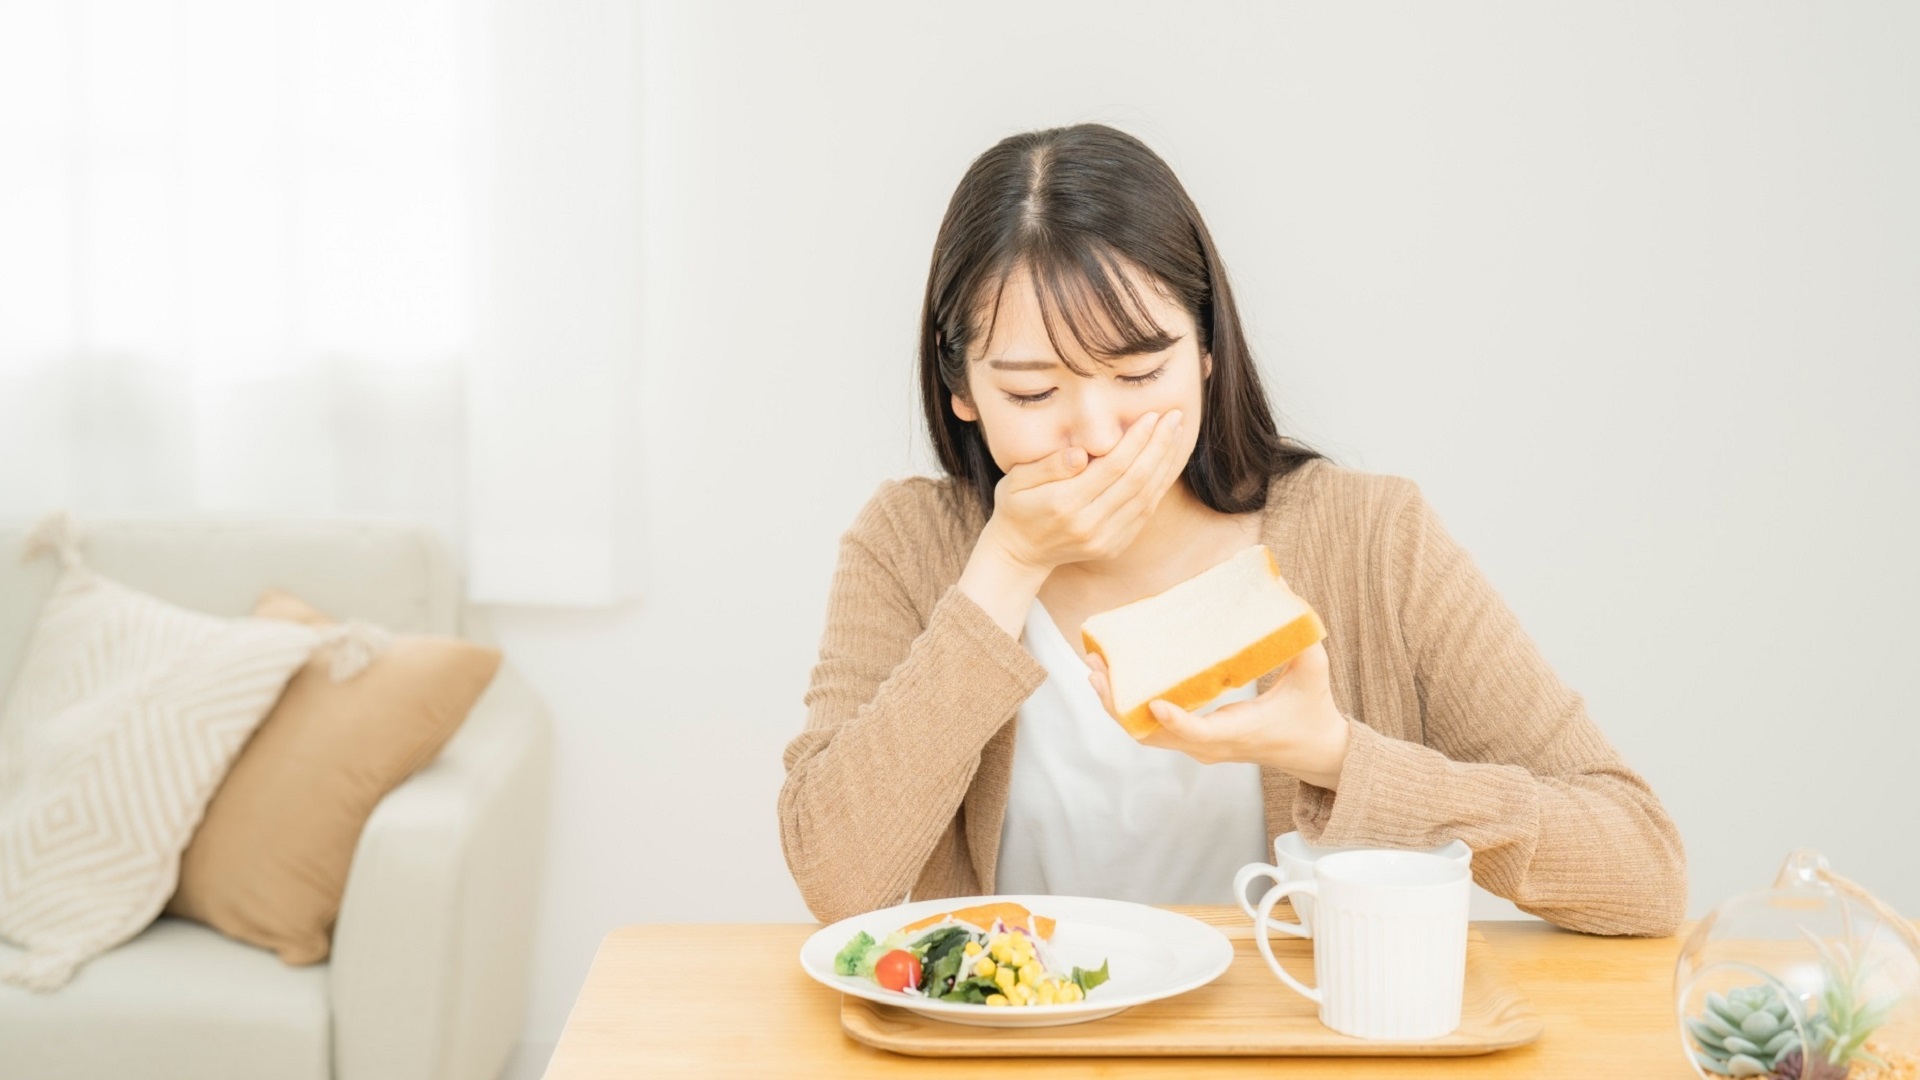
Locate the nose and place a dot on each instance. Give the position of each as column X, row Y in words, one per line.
column 1097, row 427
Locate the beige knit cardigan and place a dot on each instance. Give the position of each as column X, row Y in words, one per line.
column 1459, row 728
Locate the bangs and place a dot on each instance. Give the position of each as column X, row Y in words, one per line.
column 1084, row 289
column 1104, row 230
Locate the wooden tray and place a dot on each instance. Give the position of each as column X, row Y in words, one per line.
column 1245, row 1012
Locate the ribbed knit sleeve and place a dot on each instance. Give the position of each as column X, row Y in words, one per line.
column 898, row 711
column 1513, row 765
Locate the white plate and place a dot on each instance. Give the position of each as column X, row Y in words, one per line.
column 1150, row 954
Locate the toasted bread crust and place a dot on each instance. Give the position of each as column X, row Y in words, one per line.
column 983, row 915
column 1243, row 667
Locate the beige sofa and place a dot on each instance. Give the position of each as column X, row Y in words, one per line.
column 429, row 973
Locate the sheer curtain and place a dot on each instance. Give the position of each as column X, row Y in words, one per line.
column 244, row 245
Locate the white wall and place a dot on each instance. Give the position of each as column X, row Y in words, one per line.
column 1630, row 289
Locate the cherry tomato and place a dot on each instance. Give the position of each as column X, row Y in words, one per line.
column 897, row 970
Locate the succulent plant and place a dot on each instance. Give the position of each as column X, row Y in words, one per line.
column 1746, row 1033
column 1750, row 1032
column 1792, row 1066
column 1840, row 1029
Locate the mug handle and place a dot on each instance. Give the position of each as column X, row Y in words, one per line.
column 1264, row 917
column 1248, row 875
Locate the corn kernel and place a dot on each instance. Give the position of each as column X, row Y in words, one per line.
column 1048, row 995
column 985, row 968
column 1030, row 973
column 1001, row 952
column 1005, row 979
column 997, row 999
column 1076, row 994
column 974, row 948
column 1023, row 994
column 996, row 940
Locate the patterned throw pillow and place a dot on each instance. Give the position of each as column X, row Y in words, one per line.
column 124, row 716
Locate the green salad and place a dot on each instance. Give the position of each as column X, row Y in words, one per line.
column 959, row 962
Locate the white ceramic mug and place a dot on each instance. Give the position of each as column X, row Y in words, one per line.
column 1293, row 860
column 1390, row 957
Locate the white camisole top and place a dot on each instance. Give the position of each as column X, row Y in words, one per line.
column 1091, row 812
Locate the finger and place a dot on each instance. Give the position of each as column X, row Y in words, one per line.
column 1166, row 469
column 1310, row 660
column 1136, row 481
column 1102, row 684
column 1113, row 465
column 1097, row 663
column 1313, row 657
column 1311, row 663
column 1103, row 692
column 1175, row 721
column 1063, row 464
column 1176, row 730
column 1172, row 464
column 1222, row 735
column 1224, row 725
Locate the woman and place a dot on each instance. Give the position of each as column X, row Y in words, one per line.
column 1105, row 436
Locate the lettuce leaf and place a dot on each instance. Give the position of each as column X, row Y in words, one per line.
column 1087, row 980
column 973, row 991
column 935, row 943
column 938, row 976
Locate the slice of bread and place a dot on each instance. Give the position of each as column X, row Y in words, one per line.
column 983, row 915
column 1217, row 630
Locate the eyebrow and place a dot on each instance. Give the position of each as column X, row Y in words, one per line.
column 1043, row 365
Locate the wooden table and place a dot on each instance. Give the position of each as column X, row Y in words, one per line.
column 731, row 1000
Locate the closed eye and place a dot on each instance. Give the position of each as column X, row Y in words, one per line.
column 1130, row 380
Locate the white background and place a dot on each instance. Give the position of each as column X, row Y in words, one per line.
column 1629, row 289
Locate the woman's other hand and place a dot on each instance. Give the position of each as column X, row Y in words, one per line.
column 1294, row 726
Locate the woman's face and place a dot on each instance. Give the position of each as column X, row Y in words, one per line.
column 1029, row 404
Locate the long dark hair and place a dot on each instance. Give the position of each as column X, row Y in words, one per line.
column 1074, row 205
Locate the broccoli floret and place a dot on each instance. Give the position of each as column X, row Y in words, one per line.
column 848, row 961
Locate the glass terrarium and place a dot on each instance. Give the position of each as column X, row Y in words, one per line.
column 1812, row 979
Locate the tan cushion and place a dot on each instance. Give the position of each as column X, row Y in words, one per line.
column 269, row 864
